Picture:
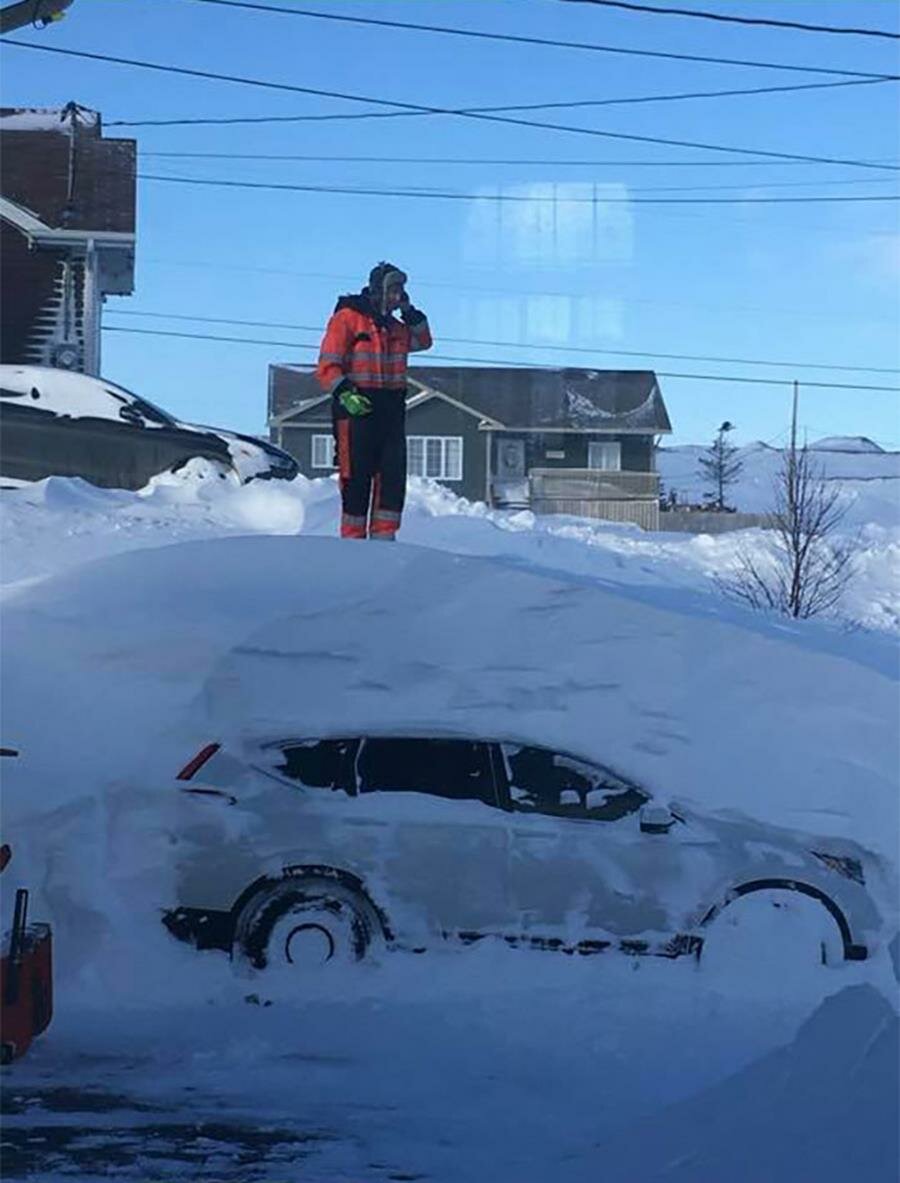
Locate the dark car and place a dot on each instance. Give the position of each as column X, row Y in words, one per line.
column 59, row 423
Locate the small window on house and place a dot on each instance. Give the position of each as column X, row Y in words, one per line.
column 605, row 456
column 323, row 451
column 439, row 457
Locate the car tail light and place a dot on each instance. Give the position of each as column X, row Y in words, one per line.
column 194, row 766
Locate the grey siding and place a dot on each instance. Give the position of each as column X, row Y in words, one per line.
column 298, row 441
column 637, row 450
column 434, row 417
column 437, row 417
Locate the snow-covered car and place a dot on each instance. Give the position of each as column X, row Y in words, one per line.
column 59, row 423
column 307, row 850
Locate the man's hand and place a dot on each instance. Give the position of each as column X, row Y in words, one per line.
column 408, row 313
column 353, row 402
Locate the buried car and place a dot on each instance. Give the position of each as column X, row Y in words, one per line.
column 304, row 851
column 60, row 423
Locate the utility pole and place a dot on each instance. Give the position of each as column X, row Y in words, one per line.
column 792, row 455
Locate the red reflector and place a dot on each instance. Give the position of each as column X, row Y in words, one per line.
column 198, row 761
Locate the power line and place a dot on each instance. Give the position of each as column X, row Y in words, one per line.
column 744, row 361
column 751, row 184
column 731, row 18
column 512, row 197
column 481, row 160
column 658, row 98
column 489, row 361
column 466, row 114
column 519, row 39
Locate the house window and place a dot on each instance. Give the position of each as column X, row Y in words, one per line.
column 323, row 451
column 437, row 456
column 606, row 456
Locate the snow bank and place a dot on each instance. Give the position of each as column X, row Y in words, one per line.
column 117, row 671
column 138, row 626
column 824, row 1107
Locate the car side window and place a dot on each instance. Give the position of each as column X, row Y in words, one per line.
column 453, row 768
column 544, row 781
column 317, row 763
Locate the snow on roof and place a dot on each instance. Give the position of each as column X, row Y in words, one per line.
column 845, row 443
column 43, row 119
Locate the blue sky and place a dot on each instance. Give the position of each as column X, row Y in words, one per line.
column 561, row 269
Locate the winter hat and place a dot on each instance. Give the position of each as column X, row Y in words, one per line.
column 381, row 277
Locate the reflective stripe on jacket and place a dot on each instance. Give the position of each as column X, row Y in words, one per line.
column 370, row 351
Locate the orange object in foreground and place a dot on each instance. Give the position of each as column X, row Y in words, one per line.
column 26, row 983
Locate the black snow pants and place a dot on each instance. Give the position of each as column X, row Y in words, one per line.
column 371, row 460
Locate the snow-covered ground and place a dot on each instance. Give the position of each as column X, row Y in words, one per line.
column 122, row 614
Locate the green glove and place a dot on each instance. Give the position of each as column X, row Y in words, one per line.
column 353, row 402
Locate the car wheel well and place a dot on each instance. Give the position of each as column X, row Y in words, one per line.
column 314, row 872
column 852, row 951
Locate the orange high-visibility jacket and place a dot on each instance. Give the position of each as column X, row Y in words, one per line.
column 371, row 355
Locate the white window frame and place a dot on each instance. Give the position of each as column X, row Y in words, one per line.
column 329, row 445
column 445, row 442
column 598, row 444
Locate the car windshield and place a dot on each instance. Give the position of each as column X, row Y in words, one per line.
column 148, row 411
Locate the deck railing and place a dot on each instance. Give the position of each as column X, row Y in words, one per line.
column 592, row 484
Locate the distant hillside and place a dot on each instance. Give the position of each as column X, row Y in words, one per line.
column 869, row 474
column 847, row 443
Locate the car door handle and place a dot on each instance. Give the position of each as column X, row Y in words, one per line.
column 535, row 833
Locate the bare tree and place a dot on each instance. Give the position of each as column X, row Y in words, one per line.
column 721, row 467
column 811, row 564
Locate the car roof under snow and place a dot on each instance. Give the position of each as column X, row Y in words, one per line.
column 64, row 392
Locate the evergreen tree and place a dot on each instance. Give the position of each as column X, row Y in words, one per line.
column 720, row 466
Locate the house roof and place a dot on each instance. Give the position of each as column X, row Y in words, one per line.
column 566, row 399
column 41, row 234
column 517, row 399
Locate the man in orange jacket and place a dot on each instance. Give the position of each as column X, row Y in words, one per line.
column 362, row 364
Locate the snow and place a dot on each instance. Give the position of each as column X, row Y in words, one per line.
column 75, row 395
column 846, row 443
column 65, row 392
column 44, row 119
column 138, row 626
column 869, row 477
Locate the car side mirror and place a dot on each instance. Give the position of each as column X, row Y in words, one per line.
column 656, row 819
